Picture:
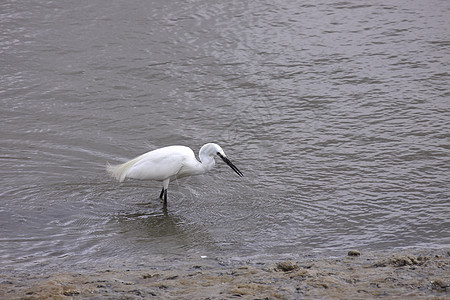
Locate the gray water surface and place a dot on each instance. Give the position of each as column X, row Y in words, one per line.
column 338, row 114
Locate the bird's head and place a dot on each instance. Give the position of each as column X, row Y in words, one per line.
column 212, row 149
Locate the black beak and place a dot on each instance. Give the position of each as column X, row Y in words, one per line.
column 228, row 162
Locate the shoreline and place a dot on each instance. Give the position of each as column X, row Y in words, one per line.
column 416, row 274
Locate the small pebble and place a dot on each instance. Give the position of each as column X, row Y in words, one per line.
column 287, row 266
column 353, row 253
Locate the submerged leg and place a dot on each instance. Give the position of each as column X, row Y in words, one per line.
column 163, row 195
column 165, row 198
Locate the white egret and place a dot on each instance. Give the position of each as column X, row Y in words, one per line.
column 169, row 163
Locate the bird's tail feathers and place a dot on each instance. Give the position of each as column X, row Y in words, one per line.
column 119, row 172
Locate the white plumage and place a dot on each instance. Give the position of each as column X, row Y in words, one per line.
column 169, row 163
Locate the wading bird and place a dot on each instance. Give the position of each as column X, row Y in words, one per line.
column 169, row 163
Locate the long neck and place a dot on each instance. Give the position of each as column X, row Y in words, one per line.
column 207, row 162
column 196, row 167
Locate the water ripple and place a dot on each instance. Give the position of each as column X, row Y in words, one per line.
column 336, row 112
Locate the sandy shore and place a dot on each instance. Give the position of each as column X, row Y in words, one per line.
column 399, row 275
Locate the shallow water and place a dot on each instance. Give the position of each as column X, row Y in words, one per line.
column 337, row 113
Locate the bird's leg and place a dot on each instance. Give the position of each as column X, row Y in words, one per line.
column 165, row 197
column 162, row 194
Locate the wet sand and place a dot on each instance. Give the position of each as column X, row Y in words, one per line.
column 394, row 275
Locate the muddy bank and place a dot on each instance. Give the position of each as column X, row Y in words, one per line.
column 412, row 274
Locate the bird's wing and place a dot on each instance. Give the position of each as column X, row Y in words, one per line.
column 158, row 164
column 155, row 166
